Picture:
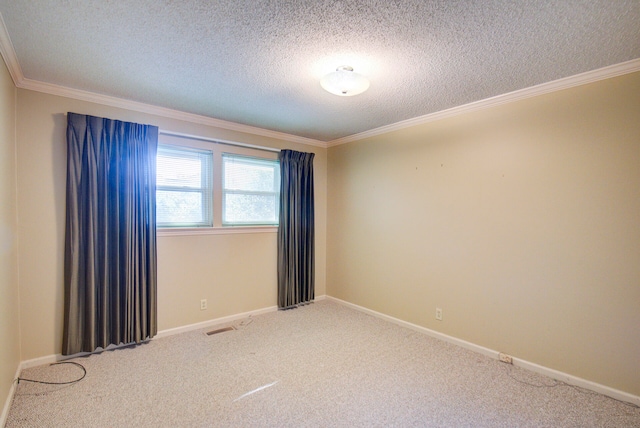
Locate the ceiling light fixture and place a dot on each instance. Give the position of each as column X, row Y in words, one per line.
column 344, row 82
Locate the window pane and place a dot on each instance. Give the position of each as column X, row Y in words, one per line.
column 178, row 207
column 183, row 187
column 250, row 190
column 179, row 169
column 241, row 174
column 253, row 209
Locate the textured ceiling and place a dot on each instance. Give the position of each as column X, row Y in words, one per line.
column 259, row 62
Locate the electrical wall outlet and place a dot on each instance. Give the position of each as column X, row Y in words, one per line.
column 439, row 314
column 505, row 358
column 203, row 304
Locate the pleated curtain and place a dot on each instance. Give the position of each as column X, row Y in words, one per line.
column 296, row 232
column 110, row 237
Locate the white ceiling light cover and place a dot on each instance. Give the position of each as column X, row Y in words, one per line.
column 344, row 82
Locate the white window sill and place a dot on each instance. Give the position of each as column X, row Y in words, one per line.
column 185, row 231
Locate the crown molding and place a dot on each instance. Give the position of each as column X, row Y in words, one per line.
column 35, row 85
column 9, row 54
column 544, row 88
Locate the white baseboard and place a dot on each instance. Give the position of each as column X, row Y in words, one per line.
column 222, row 320
column 54, row 358
column 9, row 400
column 577, row 381
column 554, row 374
column 213, row 322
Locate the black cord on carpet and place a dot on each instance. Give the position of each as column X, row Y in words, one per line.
column 561, row 383
column 58, row 383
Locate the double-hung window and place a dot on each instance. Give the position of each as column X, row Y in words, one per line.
column 210, row 185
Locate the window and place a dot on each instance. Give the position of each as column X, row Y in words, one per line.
column 203, row 186
column 250, row 190
column 184, row 187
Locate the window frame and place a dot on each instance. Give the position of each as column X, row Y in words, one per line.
column 206, row 185
column 217, row 147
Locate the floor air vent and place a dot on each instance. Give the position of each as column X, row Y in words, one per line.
column 220, row 330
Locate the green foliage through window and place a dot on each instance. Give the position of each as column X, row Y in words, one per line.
column 250, row 190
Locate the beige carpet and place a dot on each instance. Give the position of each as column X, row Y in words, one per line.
column 317, row 366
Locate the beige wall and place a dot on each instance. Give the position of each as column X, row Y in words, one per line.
column 9, row 298
column 235, row 272
column 522, row 222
